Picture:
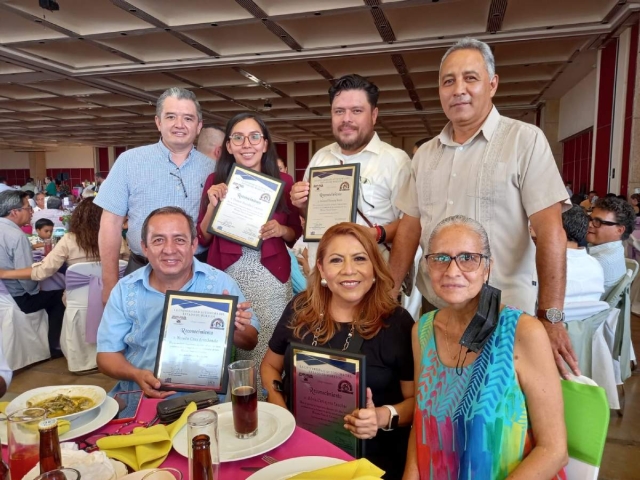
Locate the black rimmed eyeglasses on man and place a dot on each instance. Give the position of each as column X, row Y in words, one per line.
column 598, row 222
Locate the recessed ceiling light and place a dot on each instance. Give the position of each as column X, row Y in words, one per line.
column 317, row 14
column 133, row 10
column 214, row 24
column 123, row 34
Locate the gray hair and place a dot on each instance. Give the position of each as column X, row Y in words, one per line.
column 465, row 222
column 468, row 43
column 54, row 203
column 11, row 200
column 168, row 211
column 180, row 94
column 211, row 136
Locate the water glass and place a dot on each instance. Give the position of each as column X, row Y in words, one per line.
column 61, row 474
column 244, row 397
column 163, row 474
column 204, row 422
column 24, row 440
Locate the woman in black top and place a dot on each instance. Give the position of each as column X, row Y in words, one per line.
column 349, row 292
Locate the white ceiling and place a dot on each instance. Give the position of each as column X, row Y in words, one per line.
column 90, row 72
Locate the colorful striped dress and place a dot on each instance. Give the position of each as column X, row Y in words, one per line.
column 473, row 425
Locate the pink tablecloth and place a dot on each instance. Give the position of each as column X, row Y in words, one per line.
column 301, row 443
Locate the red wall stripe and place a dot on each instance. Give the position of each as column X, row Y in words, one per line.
column 301, row 150
column 604, row 117
column 628, row 116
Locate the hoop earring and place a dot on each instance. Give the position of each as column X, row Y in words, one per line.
column 323, row 282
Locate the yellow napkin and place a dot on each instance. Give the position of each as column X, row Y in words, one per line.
column 361, row 469
column 63, row 425
column 145, row 447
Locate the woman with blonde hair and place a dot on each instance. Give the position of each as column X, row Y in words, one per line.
column 348, row 296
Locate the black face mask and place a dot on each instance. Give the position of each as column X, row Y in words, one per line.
column 483, row 323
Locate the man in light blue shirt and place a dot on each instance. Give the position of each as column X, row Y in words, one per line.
column 170, row 172
column 612, row 221
column 130, row 328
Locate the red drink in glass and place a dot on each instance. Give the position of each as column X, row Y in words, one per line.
column 23, row 460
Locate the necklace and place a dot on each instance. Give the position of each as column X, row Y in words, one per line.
column 314, row 343
column 446, row 337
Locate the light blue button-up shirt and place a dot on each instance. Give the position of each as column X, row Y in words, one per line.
column 133, row 315
column 611, row 258
column 145, row 178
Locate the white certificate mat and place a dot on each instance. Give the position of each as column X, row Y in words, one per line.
column 251, row 199
column 333, row 198
column 195, row 342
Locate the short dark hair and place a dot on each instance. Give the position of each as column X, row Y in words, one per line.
column 3, row 179
column 168, row 211
column 99, row 175
column 43, row 222
column 623, row 211
column 54, row 203
column 636, row 197
column 593, row 191
column 355, row 82
column 575, row 222
column 30, row 193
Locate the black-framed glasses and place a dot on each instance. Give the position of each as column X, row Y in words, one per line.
column 184, row 189
column 25, row 208
column 598, row 222
column 238, row 139
column 467, row 262
column 88, row 444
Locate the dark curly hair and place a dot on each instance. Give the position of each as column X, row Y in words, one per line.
column 623, row 211
column 354, row 82
column 85, row 224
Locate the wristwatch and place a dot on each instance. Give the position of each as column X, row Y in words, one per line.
column 393, row 419
column 553, row 315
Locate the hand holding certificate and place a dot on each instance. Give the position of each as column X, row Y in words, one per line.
column 245, row 205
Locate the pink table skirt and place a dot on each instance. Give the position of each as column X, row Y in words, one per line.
column 302, row 443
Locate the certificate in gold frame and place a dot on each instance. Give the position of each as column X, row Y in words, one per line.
column 326, row 385
column 196, row 339
column 251, row 199
column 333, row 198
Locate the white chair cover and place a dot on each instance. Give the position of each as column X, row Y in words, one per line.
column 80, row 355
column 24, row 335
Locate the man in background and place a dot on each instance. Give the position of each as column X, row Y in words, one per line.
column 3, row 185
column 211, row 141
column 29, row 185
column 53, row 212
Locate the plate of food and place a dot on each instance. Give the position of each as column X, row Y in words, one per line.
column 67, row 402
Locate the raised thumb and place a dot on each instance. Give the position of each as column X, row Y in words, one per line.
column 370, row 403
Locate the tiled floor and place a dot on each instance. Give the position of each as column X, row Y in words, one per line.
column 621, row 453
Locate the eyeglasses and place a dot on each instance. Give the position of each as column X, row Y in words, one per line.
column 467, row 262
column 89, row 443
column 184, row 189
column 598, row 222
column 25, row 208
column 238, row 139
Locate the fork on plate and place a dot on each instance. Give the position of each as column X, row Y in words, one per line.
column 269, row 459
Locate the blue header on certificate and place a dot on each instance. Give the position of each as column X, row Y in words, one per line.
column 251, row 177
column 190, row 303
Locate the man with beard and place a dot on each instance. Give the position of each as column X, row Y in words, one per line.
column 384, row 169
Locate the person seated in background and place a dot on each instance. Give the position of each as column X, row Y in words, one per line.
column 612, row 221
column 587, row 204
column 585, row 278
column 39, row 199
column 16, row 254
column 30, row 185
column 53, row 212
column 634, row 200
column 44, row 231
column 79, row 245
column 491, row 414
column 130, row 327
column 349, row 295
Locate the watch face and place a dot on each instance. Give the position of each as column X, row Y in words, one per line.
column 394, row 421
column 554, row 315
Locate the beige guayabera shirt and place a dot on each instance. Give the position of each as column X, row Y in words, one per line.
column 500, row 177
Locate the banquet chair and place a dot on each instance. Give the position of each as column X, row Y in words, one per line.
column 586, row 415
column 24, row 335
column 82, row 315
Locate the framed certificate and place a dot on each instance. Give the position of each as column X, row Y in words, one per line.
column 333, row 198
column 196, row 339
column 251, row 199
column 326, row 385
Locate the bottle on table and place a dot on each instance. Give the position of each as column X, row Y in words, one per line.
column 50, row 456
column 201, row 465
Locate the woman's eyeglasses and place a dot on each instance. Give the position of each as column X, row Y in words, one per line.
column 467, row 262
column 238, row 139
column 598, row 222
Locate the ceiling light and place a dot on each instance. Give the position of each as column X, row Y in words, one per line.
column 50, row 5
column 267, row 106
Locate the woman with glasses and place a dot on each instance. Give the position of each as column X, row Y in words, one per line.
column 493, row 414
column 264, row 275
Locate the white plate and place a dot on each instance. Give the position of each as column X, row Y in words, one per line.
column 90, row 423
column 97, row 394
column 288, row 468
column 275, row 426
column 138, row 475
